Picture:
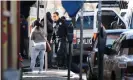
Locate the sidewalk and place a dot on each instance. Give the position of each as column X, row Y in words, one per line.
column 50, row 74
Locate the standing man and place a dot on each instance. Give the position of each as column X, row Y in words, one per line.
column 49, row 36
column 24, row 40
column 60, row 34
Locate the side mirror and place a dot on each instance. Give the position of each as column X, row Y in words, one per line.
column 109, row 51
column 109, row 46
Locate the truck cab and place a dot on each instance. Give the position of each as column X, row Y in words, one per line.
column 110, row 19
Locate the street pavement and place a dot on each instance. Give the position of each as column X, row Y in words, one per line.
column 50, row 74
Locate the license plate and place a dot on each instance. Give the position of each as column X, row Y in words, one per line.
column 122, row 65
column 85, row 41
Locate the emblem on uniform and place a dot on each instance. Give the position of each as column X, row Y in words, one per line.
column 60, row 23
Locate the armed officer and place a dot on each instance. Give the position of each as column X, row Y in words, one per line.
column 59, row 36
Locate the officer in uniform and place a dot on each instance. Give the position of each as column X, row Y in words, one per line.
column 60, row 34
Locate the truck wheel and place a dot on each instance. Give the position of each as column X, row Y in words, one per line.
column 87, row 74
column 93, row 77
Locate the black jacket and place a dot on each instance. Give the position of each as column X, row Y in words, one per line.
column 49, row 27
column 61, row 28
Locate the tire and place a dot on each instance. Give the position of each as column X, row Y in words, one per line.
column 91, row 76
column 122, row 75
column 87, row 74
column 113, row 75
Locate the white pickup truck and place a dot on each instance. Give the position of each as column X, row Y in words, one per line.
column 110, row 20
column 88, row 19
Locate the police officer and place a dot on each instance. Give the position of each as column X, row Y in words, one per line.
column 60, row 34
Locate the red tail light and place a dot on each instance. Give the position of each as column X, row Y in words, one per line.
column 94, row 36
column 74, row 39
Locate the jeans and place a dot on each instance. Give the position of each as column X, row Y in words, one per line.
column 24, row 46
column 50, row 54
column 34, row 54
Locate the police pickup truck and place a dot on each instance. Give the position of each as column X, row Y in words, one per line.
column 88, row 18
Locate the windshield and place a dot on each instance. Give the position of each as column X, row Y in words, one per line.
column 88, row 22
column 111, row 38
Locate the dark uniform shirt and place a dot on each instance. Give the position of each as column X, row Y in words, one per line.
column 61, row 29
column 24, row 29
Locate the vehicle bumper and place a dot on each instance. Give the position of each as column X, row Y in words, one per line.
column 77, row 52
column 76, row 49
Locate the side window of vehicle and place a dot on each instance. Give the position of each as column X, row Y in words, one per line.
column 88, row 22
column 131, row 37
column 130, row 51
column 124, row 51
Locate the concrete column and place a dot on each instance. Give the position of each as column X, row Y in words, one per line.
column 14, row 26
column 4, row 36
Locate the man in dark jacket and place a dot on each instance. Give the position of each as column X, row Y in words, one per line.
column 49, row 37
column 49, row 25
column 60, row 34
column 24, row 40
